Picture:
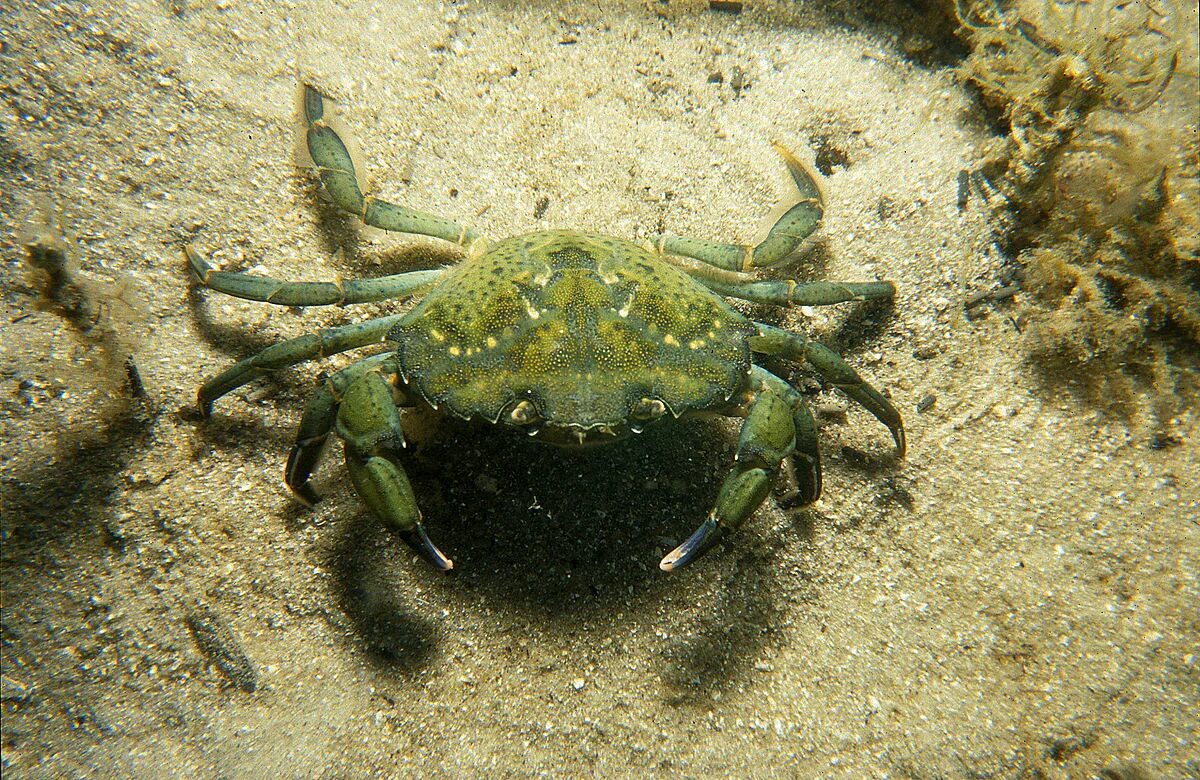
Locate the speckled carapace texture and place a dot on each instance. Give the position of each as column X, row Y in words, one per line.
column 1015, row 598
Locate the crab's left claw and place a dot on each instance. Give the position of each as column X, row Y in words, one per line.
column 768, row 436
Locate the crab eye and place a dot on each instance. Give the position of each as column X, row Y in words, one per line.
column 648, row 409
column 524, row 413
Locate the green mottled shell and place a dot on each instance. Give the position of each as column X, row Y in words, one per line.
column 582, row 325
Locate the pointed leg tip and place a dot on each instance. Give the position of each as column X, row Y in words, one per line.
column 204, row 404
column 198, row 266
column 789, row 159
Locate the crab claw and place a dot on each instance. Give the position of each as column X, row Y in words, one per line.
column 704, row 537
column 419, row 541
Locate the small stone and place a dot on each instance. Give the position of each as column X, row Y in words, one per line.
column 739, row 81
column 578, row 683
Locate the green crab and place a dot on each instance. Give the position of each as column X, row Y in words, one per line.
column 573, row 338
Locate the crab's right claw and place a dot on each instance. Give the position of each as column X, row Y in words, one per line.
column 368, row 422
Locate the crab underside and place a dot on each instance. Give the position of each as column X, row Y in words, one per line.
column 574, row 338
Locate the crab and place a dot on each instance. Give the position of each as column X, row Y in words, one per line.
column 573, row 338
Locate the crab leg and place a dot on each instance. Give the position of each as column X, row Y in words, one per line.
column 792, row 346
column 323, row 343
column 368, row 422
column 769, row 434
column 788, row 292
column 318, row 420
column 336, row 169
column 796, row 224
column 362, row 404
column 267, row 290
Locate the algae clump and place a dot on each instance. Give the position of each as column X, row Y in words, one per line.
column 1097, row 182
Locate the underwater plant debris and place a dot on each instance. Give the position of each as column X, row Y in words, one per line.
column 1097, row 187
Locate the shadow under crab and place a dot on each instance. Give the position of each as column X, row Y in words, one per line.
column 573, row 338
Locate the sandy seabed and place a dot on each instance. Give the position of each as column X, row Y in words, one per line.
column 1015, row 598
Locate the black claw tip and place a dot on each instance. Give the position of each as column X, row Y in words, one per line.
column 305, row 495
column 704, row 537
column 419, row 541
column 808, row 477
